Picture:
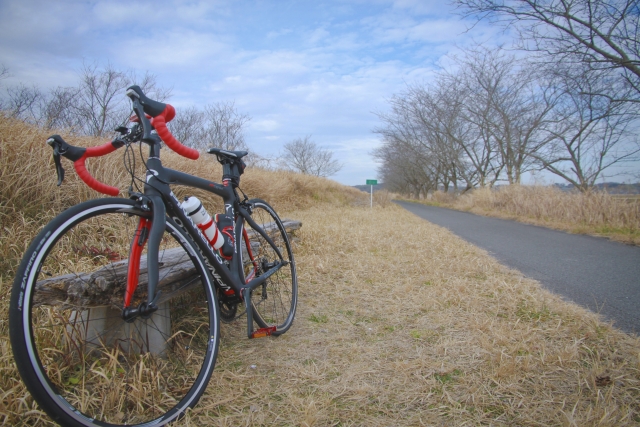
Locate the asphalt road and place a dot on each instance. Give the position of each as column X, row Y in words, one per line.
column 596, row 273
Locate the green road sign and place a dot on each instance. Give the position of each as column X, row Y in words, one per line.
column 372, row 182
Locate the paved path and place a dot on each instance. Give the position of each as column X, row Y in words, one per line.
column 593, row 272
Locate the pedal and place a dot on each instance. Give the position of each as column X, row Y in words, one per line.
column 263, row 332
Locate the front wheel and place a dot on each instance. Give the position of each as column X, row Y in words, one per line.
column 274, row 302
column 81, row 360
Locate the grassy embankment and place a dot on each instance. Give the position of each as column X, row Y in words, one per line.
column 399, row 321
column 597, row 213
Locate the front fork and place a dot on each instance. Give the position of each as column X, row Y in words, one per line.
column 137, row 245
column 149, row 232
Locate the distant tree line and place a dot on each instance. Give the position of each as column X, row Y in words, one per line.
column 570, row 107
column 97, row 105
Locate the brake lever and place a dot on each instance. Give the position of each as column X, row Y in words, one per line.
column 56, row 159
column 78, row 155
column 62, row 148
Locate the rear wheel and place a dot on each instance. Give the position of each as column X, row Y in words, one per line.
column 274, row 302
column 80, row 360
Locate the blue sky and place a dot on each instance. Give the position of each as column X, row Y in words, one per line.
column 319, row 68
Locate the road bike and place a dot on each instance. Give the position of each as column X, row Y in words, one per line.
column 115, row 308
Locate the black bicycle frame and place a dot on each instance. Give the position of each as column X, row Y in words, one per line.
column 158, row 191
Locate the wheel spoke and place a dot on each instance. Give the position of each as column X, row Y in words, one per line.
column 274, row 303
column 111, row 370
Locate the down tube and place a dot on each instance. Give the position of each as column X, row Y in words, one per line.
column 229, row 278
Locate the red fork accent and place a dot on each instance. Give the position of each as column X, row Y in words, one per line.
column 133, row 272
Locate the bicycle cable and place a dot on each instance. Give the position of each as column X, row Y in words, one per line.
column 129, row 160
column 244, row 195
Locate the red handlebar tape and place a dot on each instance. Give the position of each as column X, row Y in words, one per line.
column 159, row 122
column 86, row 176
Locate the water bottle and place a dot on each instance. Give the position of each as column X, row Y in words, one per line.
column 225, row 226
column 201, row 218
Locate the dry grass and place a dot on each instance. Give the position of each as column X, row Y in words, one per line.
column 29, row 197
column 412, row 326
column 399, row 323
column 596, row 213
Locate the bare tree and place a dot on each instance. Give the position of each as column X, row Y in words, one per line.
column 418, row 132
column 472, row 126
column 4, row 73
column 405, row 167
column 49, row 110
column 523, row 109
column 224, row 126
column 469, row 95
column 57, row 110
column 509, row 106
column 24, row 102
column 303, row 155
column 218, row 125
column 589, row 134
column 95, row 107
column 453, row 115
column 188, row 127
column 591, row 50
column 602, row 34
column 495, row 117
column 100, row 105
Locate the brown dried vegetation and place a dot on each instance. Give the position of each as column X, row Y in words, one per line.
column 597, row 212
column 399, row 321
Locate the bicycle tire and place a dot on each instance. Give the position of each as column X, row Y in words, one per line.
column 274, row 303
column 82, row 363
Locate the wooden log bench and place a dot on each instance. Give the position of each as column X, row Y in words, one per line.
column 94, row 297
column 107, row 284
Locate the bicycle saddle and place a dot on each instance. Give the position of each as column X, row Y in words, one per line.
column 227, row 153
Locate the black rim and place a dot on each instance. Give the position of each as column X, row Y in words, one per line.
column 86, row 357
column 274, row 303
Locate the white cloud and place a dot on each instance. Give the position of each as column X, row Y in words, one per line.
column 265, row 125
column 422, row 7
column 358, row 163
column 278, row 62
column 317, row 69
column 183, row 50
column 318, row 35
column 279, row 33
column 119, row 13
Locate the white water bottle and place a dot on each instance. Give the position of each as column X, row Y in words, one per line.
column 193, row 207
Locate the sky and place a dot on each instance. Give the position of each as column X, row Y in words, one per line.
column 317, row 68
